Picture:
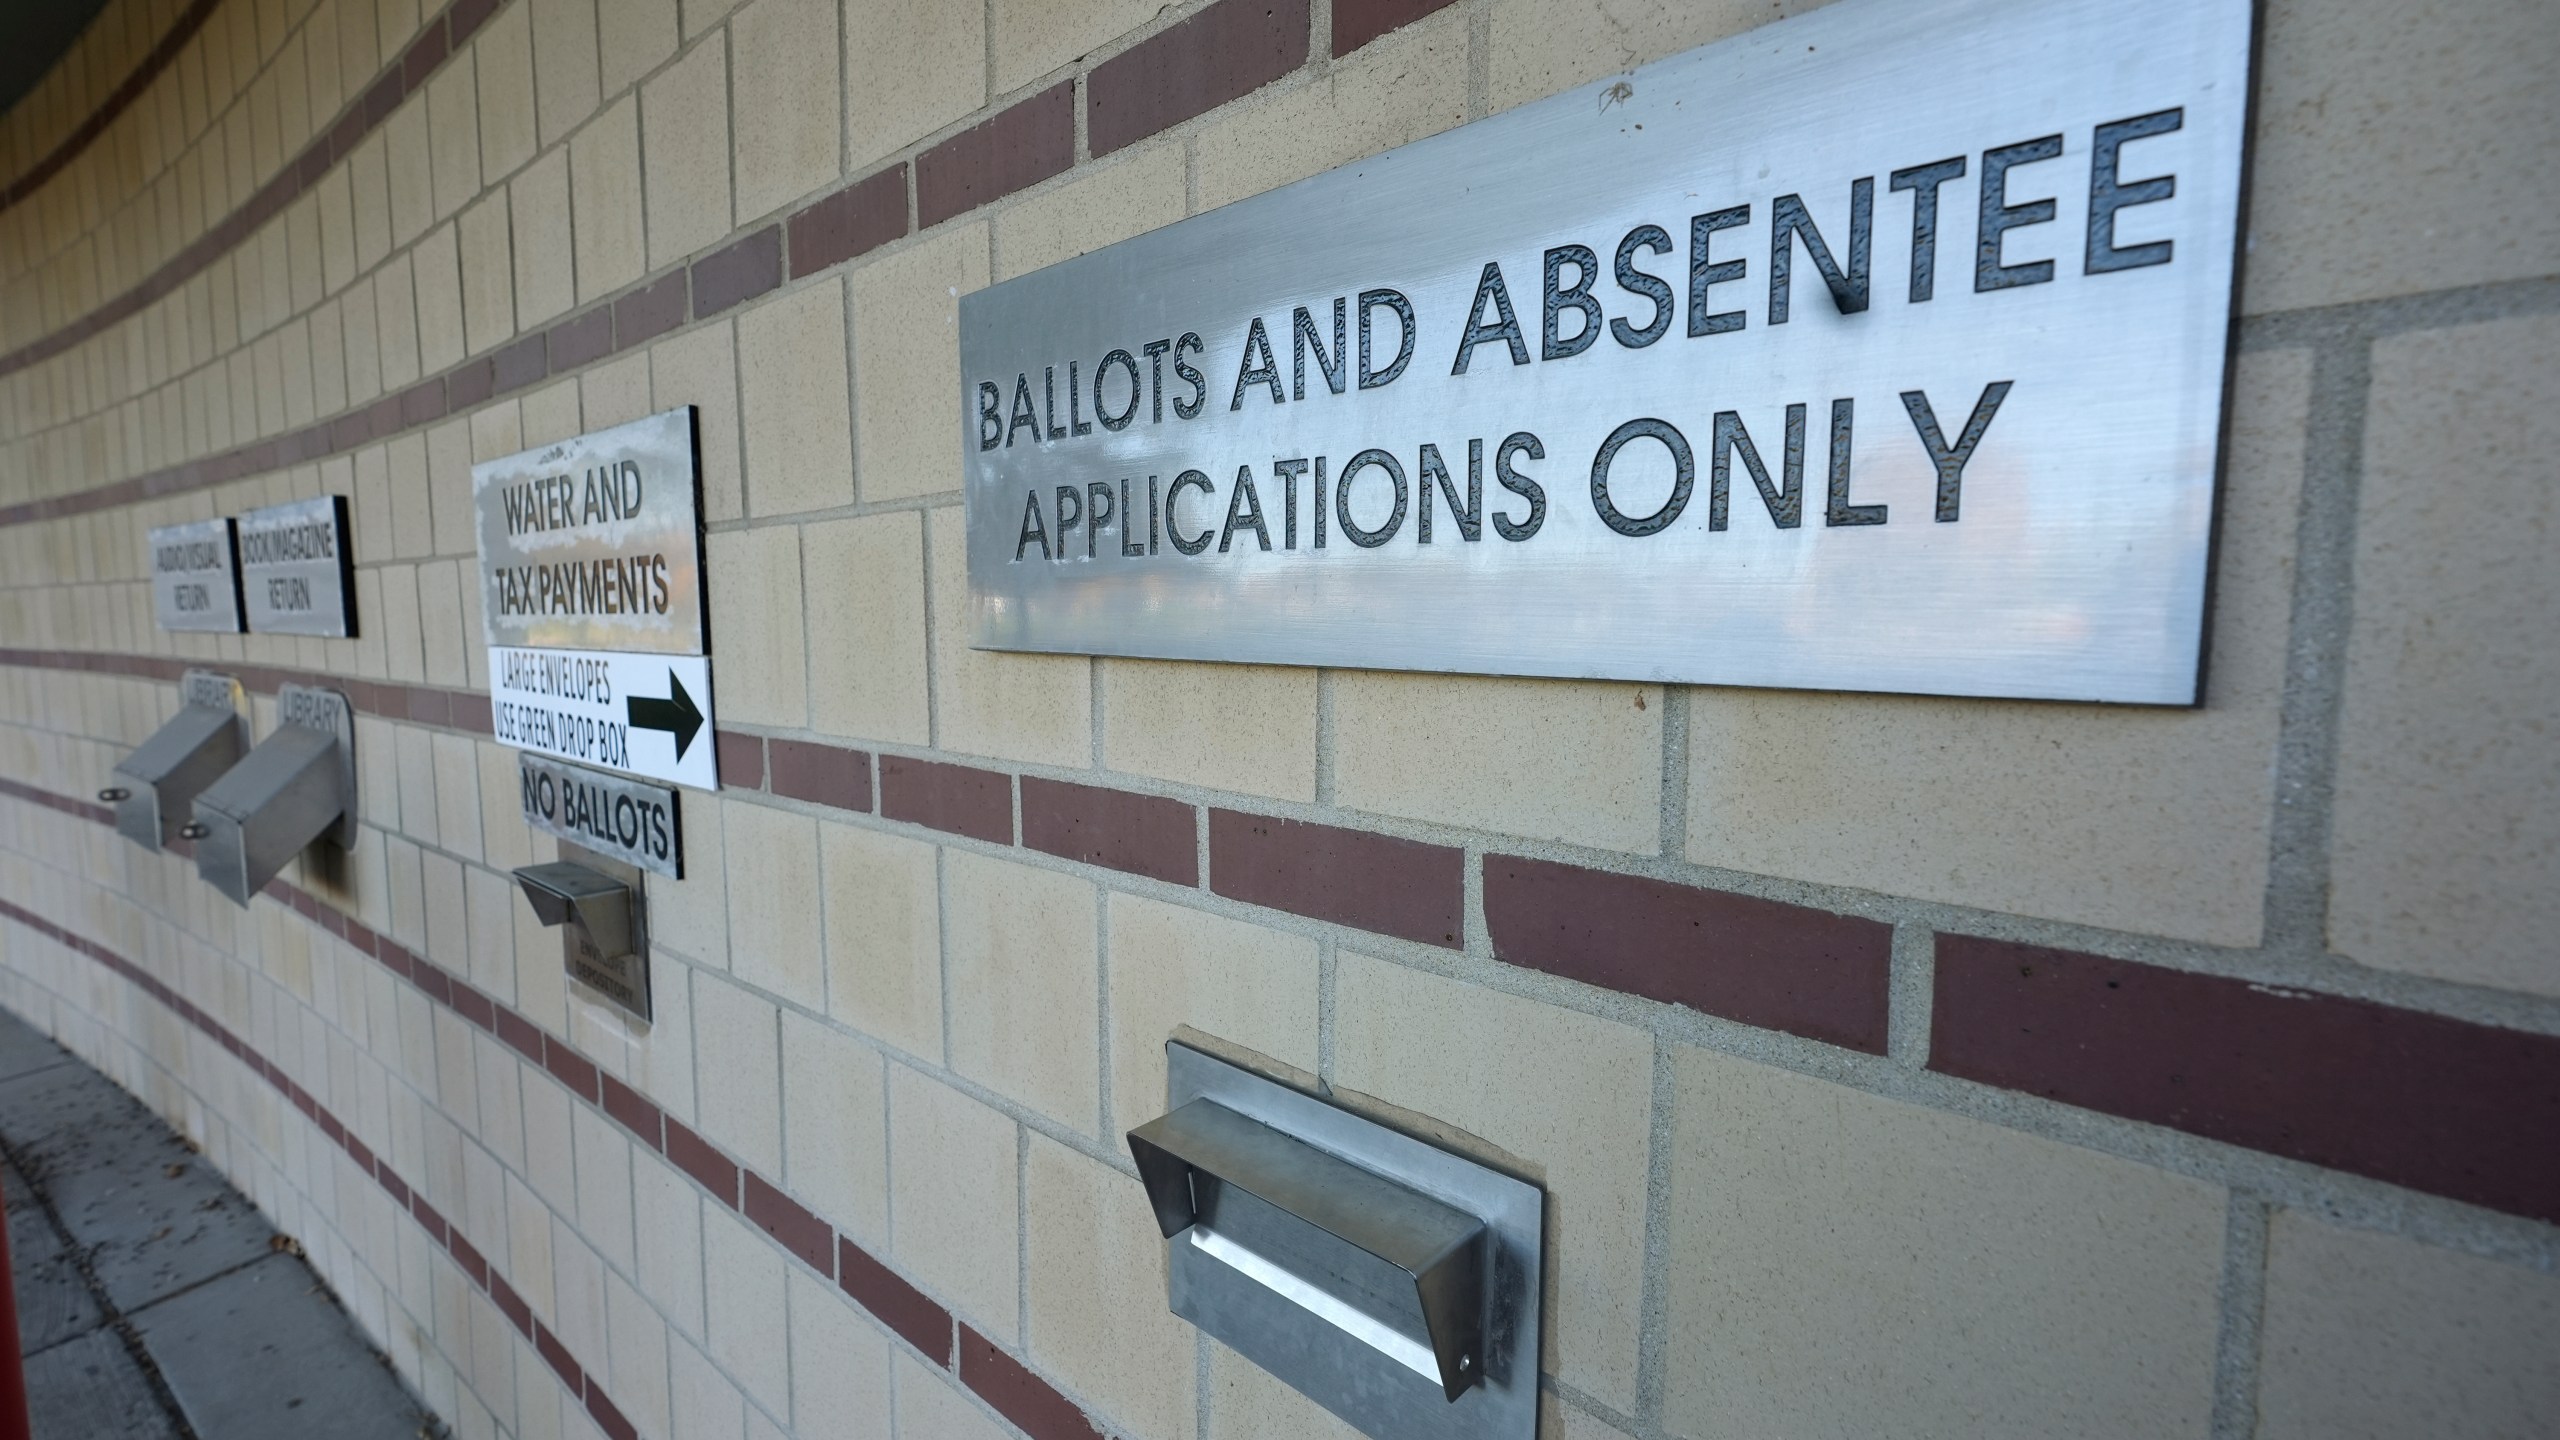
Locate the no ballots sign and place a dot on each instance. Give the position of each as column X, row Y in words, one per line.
column 640, row 714
column 630, row 820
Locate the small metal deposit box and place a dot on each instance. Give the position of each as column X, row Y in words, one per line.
column 1388, row 1280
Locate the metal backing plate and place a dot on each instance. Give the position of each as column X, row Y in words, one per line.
column 1379, row 1395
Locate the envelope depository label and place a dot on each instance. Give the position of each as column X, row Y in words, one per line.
column 296, row 576
column 624, row 979
column 1795, row 360
column 630, row 820
column 194, row 576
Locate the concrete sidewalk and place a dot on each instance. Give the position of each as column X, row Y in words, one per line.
column 154, row 1303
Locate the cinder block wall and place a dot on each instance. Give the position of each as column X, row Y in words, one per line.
column 1895, row 1066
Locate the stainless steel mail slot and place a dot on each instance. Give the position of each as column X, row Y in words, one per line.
column 1390, row 1281
column 604, row 937
column 564, row 891
column 296, row 787
column 156, row 784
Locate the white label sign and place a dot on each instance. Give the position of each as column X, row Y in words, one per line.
column 639, row 714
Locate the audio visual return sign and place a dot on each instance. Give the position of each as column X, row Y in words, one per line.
column 1878, row 349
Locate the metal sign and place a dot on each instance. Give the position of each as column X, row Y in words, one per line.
column 296, row 574
column 591, row 598
column 211, row 689
column 639, row 714
column 195, row 576
column 595, row 543
column 632, row 821
column 1729, row 370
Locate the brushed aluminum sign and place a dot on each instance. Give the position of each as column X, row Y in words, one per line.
column 595, row 543
column 195, row 576
column 630, row 820
column 296, row 575
column 1881, row 348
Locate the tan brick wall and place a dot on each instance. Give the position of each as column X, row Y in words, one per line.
column 2283, row 1180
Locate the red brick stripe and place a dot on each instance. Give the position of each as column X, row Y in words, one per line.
column 468, row 1256
column 855, row 220
column 1231, row 49
column 958, row 799
column 455, row 709
column 899, row 1305
column 790, row 1222
column 1212, row 57
column 615, row 1425
column 741, row 760
column 1357, row 22
column 584, row 337
column 1146, row 835
column 890, row 1298
column 1014, row 150
column 736, row 273
column 1403, row 888
column 397, row 81
column 1031, row 1403
column 511, row 1304
column 2435, row 1104
column 636, row 1113
column 657, row 305
column 2467, row 1111
column 648, row 312
column 119, row 100
column 521, row 1035
column 1764, row 963
column 557, row 1356
column 703, row 1161
column 428, row 1216
column 821, row 774
column 573, row 1070
column 446, row 1235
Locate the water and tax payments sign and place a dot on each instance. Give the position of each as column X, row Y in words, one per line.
column 1880, row 349
column 591, row 600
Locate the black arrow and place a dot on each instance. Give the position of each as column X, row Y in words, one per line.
column 676, row 715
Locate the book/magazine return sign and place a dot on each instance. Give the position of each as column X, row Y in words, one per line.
column 1877, row 349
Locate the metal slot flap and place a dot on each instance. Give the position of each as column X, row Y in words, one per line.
column 1368, row 1248
column 164, row 774
column 565, row 891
